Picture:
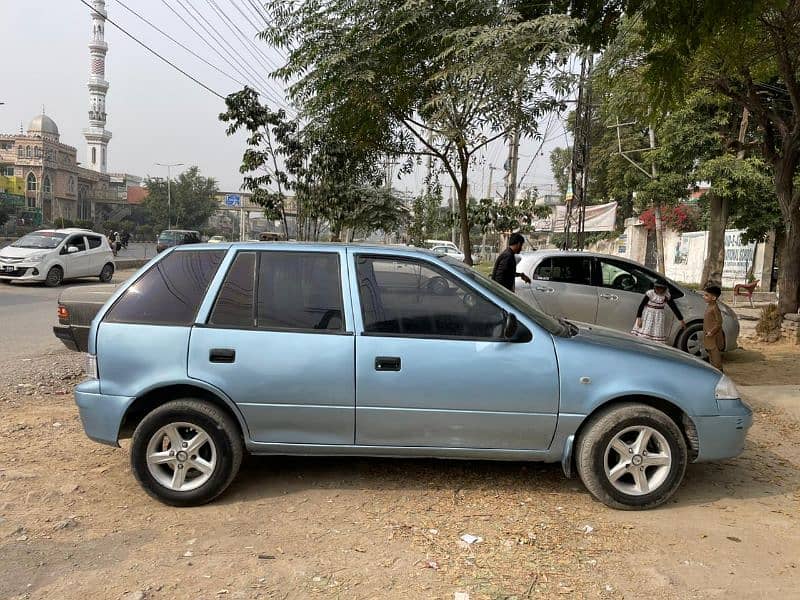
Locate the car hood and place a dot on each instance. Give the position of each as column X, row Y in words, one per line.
column 9, row 252
column 626, row 342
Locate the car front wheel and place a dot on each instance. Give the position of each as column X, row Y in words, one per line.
column 186, row 452
column 631, row 456
column 55, row 276
column 107, row 273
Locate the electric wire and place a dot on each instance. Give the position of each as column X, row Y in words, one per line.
column 149, row 49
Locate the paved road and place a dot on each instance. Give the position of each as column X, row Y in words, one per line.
column 27, row 316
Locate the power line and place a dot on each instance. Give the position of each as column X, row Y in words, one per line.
column 246, row 67
column 249, row 19
column 264, row 17
column 207, row 43
column 149, row 49
column 189, row 50
column 209, row 28
column 231, row 25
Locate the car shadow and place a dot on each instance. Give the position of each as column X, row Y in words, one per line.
column 757, row 473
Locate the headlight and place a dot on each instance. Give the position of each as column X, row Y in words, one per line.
column 36, row 258
column 726, row 389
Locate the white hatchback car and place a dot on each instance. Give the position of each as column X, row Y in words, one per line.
column 53, row 255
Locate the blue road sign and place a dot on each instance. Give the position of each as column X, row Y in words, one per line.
column 233, row 200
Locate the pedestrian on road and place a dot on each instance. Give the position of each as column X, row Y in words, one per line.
column 112, row 239
column 713, row 338
column 650, row 316
column 505, row 267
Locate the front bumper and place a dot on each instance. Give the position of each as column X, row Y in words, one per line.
column 101, row 415
column 22, row 272
column 723, row 436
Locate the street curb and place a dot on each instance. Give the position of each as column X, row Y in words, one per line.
column 130, row 263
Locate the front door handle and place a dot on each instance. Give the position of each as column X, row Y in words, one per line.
column 612, row 297
column 222, row 355
column 546, row 290
column 387, row 363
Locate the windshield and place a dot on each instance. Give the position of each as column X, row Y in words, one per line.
column 552, row 325
column 45, row 240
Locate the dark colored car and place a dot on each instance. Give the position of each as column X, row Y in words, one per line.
column 77, row 307
column 176, row 237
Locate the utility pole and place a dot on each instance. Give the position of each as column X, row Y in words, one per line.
column 513, row 165
column 652, row 174
column 169, row 191
column 492, row 169
column 657, row 211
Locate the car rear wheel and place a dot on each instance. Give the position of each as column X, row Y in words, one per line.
column 107, row 273
column 55, row 276
column 691, row 340
column 186, row 452
column 631, row 457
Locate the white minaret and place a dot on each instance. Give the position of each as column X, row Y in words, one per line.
column 97, row 137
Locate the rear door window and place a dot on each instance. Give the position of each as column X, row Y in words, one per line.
column 299, row 290
column 565, row 269
column 281, row 290
column 170, row 292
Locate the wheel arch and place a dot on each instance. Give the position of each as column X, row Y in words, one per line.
column 680, row 417
column 153, row 398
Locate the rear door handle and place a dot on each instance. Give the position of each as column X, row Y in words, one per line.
column 222, row 355
column 546, row 290
column 387, row 363
column 613, row 297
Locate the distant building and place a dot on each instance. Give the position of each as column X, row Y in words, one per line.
column 41, row 179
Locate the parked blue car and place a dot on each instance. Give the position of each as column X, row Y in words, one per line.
column 210, row 351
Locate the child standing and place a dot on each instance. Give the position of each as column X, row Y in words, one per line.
column 650, row 316
column 713, row 337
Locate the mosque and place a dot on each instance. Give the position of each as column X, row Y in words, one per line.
column 41, row 179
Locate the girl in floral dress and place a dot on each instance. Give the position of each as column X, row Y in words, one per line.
column 650, row 316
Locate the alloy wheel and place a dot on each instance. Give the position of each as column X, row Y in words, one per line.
column 637, row 460
column 181, row 456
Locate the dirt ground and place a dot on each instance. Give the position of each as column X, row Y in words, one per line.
column 74, row 523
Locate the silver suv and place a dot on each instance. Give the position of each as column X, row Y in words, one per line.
column 606, row 290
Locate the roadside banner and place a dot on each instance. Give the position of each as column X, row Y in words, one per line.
column 599, row 217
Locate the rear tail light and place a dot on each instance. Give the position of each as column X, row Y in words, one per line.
column 63, row 314
column 91, row 366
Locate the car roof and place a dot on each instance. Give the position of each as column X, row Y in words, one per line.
column 66, row 230
column 300, row 246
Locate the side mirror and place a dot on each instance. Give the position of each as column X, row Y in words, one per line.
column 514, row 332
column 72, row 249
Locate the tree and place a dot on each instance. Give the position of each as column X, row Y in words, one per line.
column 749, row 52
column 192, row 200
column 560, row 159
column 440, row 79
column 5, row 215
column 272, row 139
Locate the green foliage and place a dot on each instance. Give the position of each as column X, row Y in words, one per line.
column 410, row 78
column 560, row 159
column 192, row 200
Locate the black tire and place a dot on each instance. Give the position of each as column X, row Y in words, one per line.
column 55, row 277
column 691, row 340
column 222, row 430
column 591, row 450
column 107, row 273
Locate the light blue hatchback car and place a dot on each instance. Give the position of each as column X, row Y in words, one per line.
column 213, row 350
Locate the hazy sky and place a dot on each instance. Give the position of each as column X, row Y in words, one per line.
column 154, row 113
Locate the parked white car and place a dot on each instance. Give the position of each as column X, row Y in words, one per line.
column 53, row 255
